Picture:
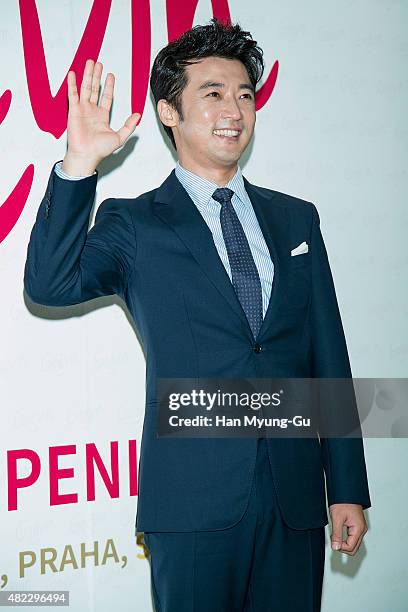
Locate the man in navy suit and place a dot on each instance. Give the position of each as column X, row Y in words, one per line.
column 224, row 279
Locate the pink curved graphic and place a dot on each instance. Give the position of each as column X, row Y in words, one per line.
column 141, row 52
column 5, row 102
column 180, row 18
column 264, row 93
column 50, row 112
column 13, row 206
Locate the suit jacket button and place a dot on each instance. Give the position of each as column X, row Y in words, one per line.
column 257, row 348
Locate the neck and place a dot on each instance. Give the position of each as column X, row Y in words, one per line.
column 219, row 175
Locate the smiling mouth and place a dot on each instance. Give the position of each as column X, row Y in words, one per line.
column 230, row 135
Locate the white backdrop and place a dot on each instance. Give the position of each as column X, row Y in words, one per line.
column 333, row 132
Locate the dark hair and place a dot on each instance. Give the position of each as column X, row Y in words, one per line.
column 168, row 76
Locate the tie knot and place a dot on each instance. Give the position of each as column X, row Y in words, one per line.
column 223, row 195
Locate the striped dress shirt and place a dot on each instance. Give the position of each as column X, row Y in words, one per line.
column 200, row 191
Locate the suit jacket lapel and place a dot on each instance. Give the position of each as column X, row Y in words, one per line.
column 173, row 205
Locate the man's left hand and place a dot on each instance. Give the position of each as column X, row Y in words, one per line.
column 352, row 516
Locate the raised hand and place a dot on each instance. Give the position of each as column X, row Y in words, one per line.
column 90, row 138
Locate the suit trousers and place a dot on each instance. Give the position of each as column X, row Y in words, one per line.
column 257, row 565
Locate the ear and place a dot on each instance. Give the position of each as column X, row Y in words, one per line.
column 168, row 115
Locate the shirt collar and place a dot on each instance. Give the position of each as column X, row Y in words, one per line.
column 201, row 189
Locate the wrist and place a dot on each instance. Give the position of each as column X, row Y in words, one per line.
column 74, row 165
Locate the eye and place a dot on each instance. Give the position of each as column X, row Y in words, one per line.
column 249, row 96
column 213, row 92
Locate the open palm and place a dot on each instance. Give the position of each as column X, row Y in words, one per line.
column 89, row 134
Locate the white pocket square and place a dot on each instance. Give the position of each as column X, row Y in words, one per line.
column 300, row 249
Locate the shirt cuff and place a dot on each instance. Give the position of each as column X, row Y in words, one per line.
column 66, row 176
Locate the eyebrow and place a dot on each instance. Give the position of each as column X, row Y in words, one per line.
column 209, row 84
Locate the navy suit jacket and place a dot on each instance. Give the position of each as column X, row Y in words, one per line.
column 157, row 253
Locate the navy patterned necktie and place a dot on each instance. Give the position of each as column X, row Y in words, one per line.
column 245, row 277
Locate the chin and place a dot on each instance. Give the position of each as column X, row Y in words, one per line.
column 227, row 155
column 232, row 158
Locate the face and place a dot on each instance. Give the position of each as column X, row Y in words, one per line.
column 219, row 96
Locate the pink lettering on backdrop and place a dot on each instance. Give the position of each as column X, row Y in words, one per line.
column 50, row 112
column 132, row 453
column 53, row 474
column 14, row 483
column 57, row 474
column 93, row 456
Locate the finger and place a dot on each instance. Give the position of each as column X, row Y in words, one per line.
column 128, row 127
column 350, row 543
column 86, row 85
column 96, row 81
column 72, row 88
column 337, row 533
column 107, row 93
column 356, row 547
column 354, row 536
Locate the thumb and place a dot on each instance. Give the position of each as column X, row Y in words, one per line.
column 337, row 533
column 128, row 127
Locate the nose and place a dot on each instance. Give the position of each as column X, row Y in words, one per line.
column 231, row 108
